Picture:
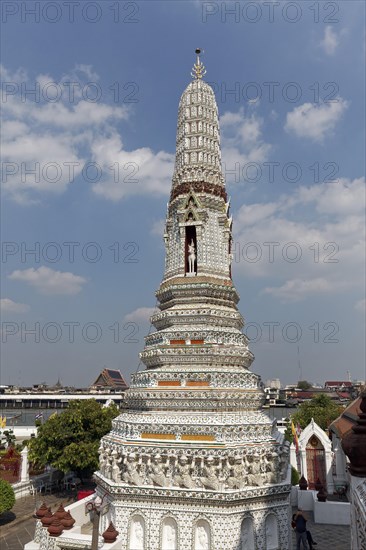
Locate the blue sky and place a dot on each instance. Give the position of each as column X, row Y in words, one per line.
column 99, row 134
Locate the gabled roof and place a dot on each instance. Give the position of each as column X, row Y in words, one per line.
column 343, row 424
column 111, row 378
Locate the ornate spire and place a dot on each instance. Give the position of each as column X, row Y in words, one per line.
column 198, row 152
column 198, row 70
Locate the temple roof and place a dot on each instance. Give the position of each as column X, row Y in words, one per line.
column 342, row 425
column 110, row 378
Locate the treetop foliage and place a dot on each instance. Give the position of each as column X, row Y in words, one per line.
column 322, row 408
column 70, row 440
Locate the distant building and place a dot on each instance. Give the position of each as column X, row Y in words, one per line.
column 338, row 385
column 110, row 379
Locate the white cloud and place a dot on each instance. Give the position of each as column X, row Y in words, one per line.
column 330, row 41
column 361, row 306
column 49, row 281
column 317, row 234
column 315, row 121
column 141, row 314
column 242, row 143
column 158, row 227
column 139, row 172
column 8, row 306
column 295, row 290
column 67, row 134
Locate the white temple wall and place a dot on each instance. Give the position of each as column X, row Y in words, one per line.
column 217, row 528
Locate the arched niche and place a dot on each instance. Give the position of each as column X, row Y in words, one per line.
column 137, row 533
column 169, row 534
column 202, row 535
column 271, row 532
column 247, row 541
column 315, row 462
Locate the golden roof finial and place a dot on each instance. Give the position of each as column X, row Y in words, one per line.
column 198, row 70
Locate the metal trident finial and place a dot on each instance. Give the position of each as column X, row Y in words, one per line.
column 198, row 70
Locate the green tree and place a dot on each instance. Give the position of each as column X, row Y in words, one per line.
column 7, row 497
column 322, row 408
column 304, row 385
column 70, row 440
column 10, row 438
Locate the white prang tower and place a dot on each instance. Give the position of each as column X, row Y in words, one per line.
column 192, row 463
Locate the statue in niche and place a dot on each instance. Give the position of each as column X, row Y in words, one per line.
column 183, row 476
column 210, row 480
column 137, row 535
column 169, row 536
column 237, row 477
column 202, row 538
column 157, row 474
column 131, row 474
column 191, row 257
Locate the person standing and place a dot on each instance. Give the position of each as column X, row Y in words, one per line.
column 300, row 529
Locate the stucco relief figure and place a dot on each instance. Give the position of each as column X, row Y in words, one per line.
column 254, row 475
column 183, row 476
column 170, row 536
column 137, row 535
column 202, row 541
column 210, row 480
column 284, row 461
column 191, row 257
column 157, row 474
column 237, row 477
column 102, row 460
column 116, row 472
column 131, row 474
column 108, row 464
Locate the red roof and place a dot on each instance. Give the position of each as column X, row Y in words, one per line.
column 339, row 383
column 304, row 394
column 343, row 394
column 111, row 378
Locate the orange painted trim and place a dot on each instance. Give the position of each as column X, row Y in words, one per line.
column 197, row 437
column 200, row 383
column 168, row 382
column 146, row 435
